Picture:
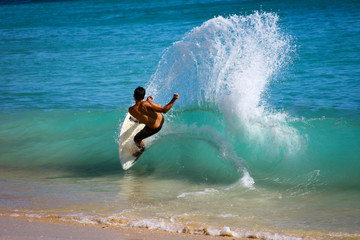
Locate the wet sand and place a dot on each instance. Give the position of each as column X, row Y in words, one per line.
column 19, row 228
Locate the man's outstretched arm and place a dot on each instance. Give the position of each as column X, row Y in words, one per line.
column 166, row 108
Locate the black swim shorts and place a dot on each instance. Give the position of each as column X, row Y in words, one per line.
column 147, row 132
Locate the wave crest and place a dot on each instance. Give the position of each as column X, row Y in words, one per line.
column 226, row 65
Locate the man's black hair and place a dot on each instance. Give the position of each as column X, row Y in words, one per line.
column 139, row 93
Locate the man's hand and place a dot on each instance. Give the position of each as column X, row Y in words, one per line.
column 176, row 96
column 150, row 98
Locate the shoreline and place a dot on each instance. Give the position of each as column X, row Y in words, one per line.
column 20, row 226
column 26, row 228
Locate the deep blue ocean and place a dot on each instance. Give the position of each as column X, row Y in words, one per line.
column 265, row 138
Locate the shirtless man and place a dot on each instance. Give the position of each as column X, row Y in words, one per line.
column 149, row 113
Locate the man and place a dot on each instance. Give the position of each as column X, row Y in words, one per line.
column 149, row 113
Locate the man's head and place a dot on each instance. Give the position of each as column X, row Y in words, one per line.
column 139, row 93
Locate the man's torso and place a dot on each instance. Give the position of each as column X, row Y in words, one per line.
column 145, row 114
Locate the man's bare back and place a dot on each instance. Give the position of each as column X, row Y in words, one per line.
column 149, row 113
column 143, row 112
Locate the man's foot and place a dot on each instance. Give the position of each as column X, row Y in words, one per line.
column 141, row 147
column 141, row 150
column 137, row 154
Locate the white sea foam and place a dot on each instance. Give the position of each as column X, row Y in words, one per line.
column 205, row 192
column 33, row 215
column 155, row 224
column 247, row 181
column 227, row 232
column 228, row 215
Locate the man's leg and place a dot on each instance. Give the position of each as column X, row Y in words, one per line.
column 141, row 147
column 145, row 133
column 139, row 143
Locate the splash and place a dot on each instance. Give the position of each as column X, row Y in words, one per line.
column 227, row 64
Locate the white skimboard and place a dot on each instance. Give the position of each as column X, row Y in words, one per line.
column 127, row 146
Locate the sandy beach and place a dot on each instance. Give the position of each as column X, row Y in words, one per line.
column 20, row 228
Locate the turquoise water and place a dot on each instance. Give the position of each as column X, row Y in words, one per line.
column 265, row 135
